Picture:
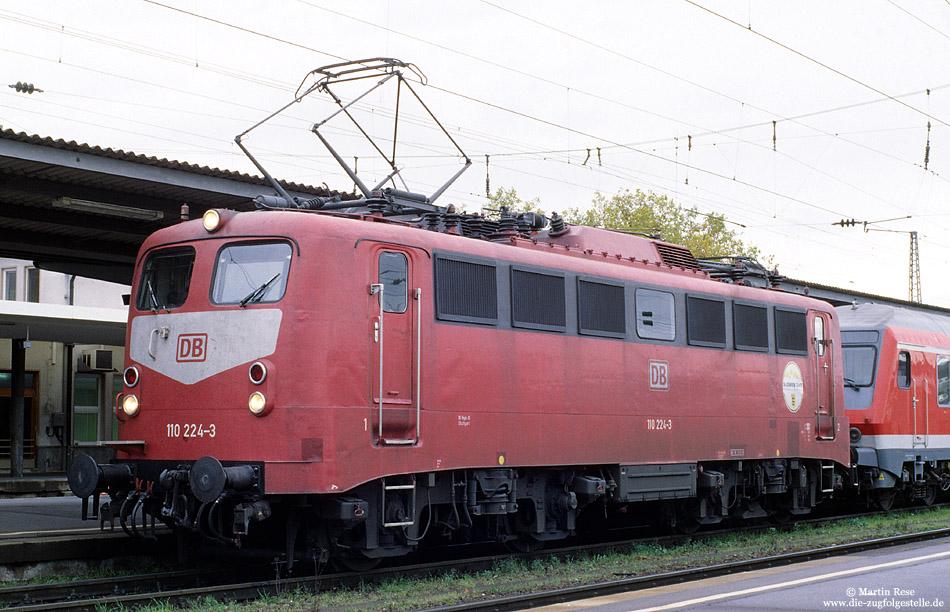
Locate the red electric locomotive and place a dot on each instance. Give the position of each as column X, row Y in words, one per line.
column 349, row 379
column 897, row 374
column 375, row 382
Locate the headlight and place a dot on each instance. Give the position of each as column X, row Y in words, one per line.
column 257, row 403
column 211, row 220
column 130, row 405
column 130, row 376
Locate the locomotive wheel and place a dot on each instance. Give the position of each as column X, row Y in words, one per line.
column 930, row 495
column 357, row 562
column 780, row 517
column 523, row 544
column 519, row 525
column 884, row 498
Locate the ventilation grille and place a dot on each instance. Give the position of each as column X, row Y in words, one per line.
column 673, row 255
column 601, row 308
column 466, row 291
column 537, row 300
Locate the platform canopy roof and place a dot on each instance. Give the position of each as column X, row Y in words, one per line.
column 59, row 323
column 85, row 210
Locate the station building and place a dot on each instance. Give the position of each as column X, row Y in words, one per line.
column 69, row 387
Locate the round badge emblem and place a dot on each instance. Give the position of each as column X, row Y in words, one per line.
column 793, row 386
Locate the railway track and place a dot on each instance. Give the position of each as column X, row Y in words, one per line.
column 623, row 585
column 180, row 586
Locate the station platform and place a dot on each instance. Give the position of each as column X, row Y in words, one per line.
column 34, row 485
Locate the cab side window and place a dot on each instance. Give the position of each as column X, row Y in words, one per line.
column 903, row 370
column 394, row 275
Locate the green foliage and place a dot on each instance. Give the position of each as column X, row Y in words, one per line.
column 509, row 198
column 706, row 235
column 654, row 214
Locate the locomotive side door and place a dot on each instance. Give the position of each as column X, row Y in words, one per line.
column 824, row 374
column 395, row 310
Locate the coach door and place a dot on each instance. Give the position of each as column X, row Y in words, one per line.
column 824, row 375
column 920, row 398
column 395, row 334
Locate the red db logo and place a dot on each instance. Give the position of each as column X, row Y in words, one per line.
column 659, row 375
column 192, row 347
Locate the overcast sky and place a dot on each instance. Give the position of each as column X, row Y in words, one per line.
column 679, row 96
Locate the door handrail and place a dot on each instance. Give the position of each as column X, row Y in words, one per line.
column 374, row 289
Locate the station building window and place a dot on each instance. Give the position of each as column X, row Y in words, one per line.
column 655, row 314
column 87, row 400
column 33, row 285
column 9, row 284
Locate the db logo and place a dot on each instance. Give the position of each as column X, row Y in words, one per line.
column 192, row 347
column 659, row 375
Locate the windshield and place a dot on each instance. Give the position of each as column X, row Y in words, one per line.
column 251, row 273
column 166, row 276
column 859, row 364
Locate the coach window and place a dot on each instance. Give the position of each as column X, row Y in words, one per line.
column 943, row 381
column 166, row 276
column 655, row 315
column 250, row 273
column 903, row 370
column 394, row 276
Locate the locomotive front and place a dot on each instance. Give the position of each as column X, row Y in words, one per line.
column 208, row 309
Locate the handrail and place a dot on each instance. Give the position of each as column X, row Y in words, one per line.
column 373, row 290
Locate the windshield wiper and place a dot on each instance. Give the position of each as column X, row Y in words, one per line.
column 850, row 383
column 151, row 295
column 258, row 293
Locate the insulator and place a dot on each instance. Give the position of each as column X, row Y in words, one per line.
column 376, row 205
column 452, row 221
column 472, row 226
column 558, row 226
column 507, row 223
column 524, row 226
column 431, row 220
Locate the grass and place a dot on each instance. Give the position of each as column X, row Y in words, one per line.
column 515, row 576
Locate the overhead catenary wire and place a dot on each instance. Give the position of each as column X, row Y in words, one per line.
column 489, row 151
column 819, row 63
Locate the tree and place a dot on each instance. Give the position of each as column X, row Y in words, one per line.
column 706, row 235
column 509, row 199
